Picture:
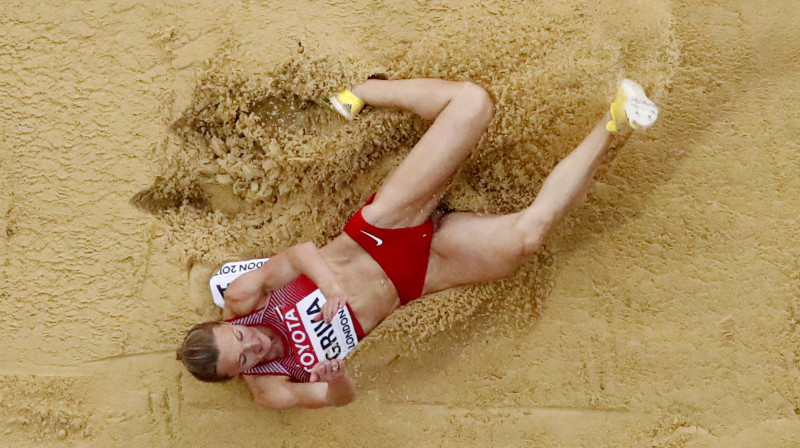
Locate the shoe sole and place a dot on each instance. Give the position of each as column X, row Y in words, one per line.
column 641, row 111
column 339, row 107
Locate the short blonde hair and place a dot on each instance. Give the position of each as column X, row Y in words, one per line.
column 199, row 353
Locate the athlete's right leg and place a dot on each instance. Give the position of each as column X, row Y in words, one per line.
column 461, row 112
column 468, row 248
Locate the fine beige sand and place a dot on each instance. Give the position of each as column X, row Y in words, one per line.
column 145, row 143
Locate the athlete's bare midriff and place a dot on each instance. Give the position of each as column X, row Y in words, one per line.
column 371, row 294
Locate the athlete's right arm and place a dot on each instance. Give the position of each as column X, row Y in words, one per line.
column 278, row 392
column 252, row 290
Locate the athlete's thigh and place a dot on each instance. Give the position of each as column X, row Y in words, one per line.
column 470, row 248
column 412, row 191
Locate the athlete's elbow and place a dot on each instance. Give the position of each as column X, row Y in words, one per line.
column 307, row 245
column 270, row 405
column 304, row 250
column 341, row 391
column 343, row 401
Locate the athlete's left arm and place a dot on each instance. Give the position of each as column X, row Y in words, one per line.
column 252, row 290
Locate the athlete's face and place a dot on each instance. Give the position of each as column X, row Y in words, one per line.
column 240, row 348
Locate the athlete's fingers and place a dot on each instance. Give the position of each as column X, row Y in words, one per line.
column 327, row 312
column 318, row 373
column 330, row 370
column 334, row 304
column 331, row 312
column 324, row 313
column 330, row 309
column 341, row 303
column 337, row 367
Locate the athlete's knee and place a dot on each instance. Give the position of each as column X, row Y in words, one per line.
column 533, row 230
column 520, row 241
column 479, row 103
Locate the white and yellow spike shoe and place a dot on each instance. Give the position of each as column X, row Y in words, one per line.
column 632, row 105
column 347, row 104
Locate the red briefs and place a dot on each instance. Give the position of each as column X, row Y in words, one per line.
column 402, row 253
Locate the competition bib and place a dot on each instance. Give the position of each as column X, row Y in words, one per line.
column 318, row 341
column 228, row 273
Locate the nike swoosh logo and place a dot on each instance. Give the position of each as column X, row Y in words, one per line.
column 378, row 241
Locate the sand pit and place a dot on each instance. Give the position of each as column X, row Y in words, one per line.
column 146, row 144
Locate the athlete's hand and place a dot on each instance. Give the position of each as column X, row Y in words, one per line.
column 327, row 371
column 336, row 300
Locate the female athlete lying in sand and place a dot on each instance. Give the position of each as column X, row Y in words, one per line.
column 395, row 249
